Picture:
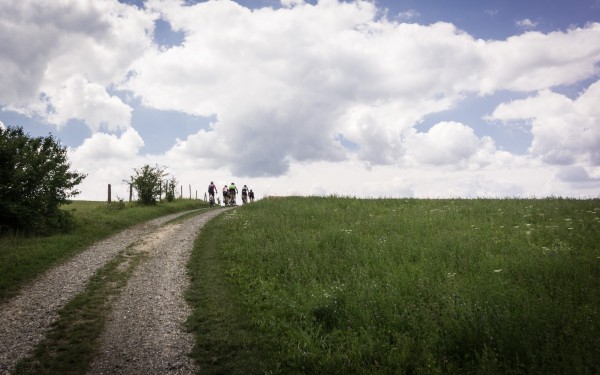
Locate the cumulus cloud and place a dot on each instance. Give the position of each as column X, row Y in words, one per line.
column 60, row 58
column 102, row 146
column 87, row 101
column 447, row 143
column 284, row 83
column 564, row 131
column 573, row 174
column 535, row 61
column 284, row 89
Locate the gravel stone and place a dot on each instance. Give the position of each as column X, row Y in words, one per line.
column 145, row 333
column 25, row 319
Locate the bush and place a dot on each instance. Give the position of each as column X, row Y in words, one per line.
column 170, row 190
column 147, row 182
column 35, row 181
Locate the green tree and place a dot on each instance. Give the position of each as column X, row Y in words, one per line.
column 35, row 179
column 146, row 182
column 170, row 192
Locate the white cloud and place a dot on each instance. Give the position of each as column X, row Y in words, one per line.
column 284, row 83
column 60, row 58
column 353, row 178
column 284, row 89
column 535, row 61
column 409, row 14
column 526, row 23
column 446, row 143
column 573, row 174
column 103, row 147
column 564, row 131
column 80, row 99
column 291, row 3
column 2, row 126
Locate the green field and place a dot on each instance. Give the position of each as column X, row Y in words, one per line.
column 340, row 285
column 24, row 257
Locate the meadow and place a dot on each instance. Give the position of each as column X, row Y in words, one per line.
column 393, row 286
column 23, row 257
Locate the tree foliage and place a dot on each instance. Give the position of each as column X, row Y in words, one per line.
column 170, row 189
column 147, row 182
column 35, row 179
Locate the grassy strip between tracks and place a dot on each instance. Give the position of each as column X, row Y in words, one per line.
column 340, row 285
column 23, row 258
column 70, row 345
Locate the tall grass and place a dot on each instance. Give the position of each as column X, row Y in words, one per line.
column 343, row 285
column 22, row 258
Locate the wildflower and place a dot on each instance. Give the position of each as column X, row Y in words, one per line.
column 498, row 270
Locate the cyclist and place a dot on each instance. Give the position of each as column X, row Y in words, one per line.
column 251, row 195
column 225, row 195
column 232, row 193
column 245, row 194
column 212, row 190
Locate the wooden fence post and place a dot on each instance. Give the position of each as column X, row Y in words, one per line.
column 130, row 192
column 181, row 192
column 109, row 195
column 190, row 191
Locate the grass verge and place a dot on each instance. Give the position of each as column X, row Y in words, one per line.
column 70, row 345
column 23, row 258
column 226, row 341
column 339, row 286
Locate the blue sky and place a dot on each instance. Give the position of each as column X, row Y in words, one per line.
column 388, row 98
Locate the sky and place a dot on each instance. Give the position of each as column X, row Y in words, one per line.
column 386, row 98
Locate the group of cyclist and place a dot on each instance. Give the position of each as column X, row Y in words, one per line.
column 229, row 194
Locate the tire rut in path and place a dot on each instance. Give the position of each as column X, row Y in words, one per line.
column 144, row 332
column 25, row 318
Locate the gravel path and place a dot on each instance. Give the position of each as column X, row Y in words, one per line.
column 145, row 333
column 27, row 317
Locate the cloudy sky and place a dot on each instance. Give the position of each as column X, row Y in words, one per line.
column 386, row 98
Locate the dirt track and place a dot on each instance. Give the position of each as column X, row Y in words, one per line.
column 144, row 333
